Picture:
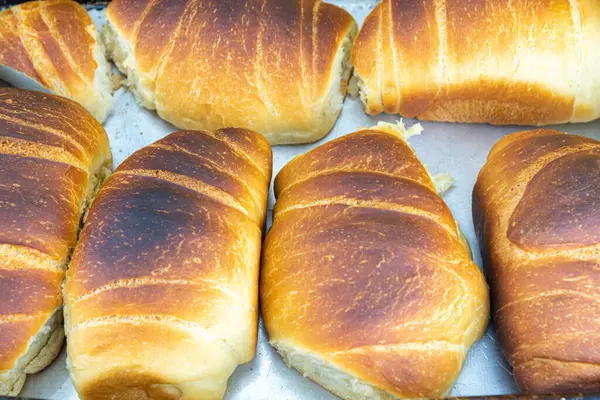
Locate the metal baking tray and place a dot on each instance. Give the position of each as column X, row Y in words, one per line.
column 458, row 149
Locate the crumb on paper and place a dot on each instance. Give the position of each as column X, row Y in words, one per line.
column 399, row 129
column 442, row 182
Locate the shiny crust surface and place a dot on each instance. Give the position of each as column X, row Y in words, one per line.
column 537, row 210
column 481, row 60
column 363, row 267
column 278, row 58
column 53, row 42
column 161, row 293
column 49, row 148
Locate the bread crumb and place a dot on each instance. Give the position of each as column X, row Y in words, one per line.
column 442, row 182
column 399, row 129
column 117, row 81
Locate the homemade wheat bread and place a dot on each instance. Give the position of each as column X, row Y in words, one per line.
column 495, row 61
column 367, row 286
column 53, row 158
column 279, row 67
column 536, row 208
column 161, row 295
column 55, row 43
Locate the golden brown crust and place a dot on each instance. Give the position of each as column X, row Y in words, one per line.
column 393, row 33
column 16, row 335
column 42, row 295
column 211, row 160
column 344, row 155
column 54, row 42
column 361, row 252
column 364, row 188
column 52, row 153
column 126, row 14
column 36, row 214
column 161, row 293
column 12, row 50
column 536, row 210
column 279, row 58
column 443, row 60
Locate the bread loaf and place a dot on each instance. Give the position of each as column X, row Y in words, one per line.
column 53, row 157
column 367, row 286
column 162, row 291
column 495, row 61
column 279, row 67
column 54, row 42
column 536, row 206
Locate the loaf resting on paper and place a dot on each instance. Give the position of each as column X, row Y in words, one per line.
column 53, row 158
column 279, row 67
column 55, row 43
column 536, row 207
column 367, row 285
column 161, row 294
column 495, row 61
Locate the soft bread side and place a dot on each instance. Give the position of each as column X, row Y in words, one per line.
column 537, row 215
column 497, row 62
column 366, row 284
column 586, row 15
column 161, row 294
column 55, row 42
column 53, row 158
column 186, row 60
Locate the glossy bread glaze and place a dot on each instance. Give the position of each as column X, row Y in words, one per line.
column 279, row 67
column 54, row 42
column 161, row 293
column 525, row 62
column 536, row 206
column 53, row 157
column 366, row 285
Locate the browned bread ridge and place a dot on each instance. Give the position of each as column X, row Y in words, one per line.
column 279, row 67
column 162, row 291
column 494, row 61
column 53, row 158
column 367, row 286
column 55, row 43
column 536, row 208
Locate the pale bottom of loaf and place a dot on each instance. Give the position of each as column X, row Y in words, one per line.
column 329, row 376
column 42, row 350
